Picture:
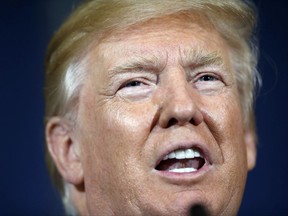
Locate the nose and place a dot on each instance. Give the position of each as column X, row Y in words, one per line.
column 179, row 106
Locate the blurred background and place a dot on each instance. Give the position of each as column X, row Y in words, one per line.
column 25, row 188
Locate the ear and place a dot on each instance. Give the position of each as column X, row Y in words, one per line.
column 64, row 149
column 250, row 142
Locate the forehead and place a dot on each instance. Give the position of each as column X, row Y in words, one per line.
column 161, row 38
column 187, row 26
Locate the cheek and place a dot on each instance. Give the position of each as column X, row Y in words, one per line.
column 233, row 147
column 114, row 134
column 110, row 161
column 126, row 124
column 234, row 127
column 226, row 124
column 224, row 118
column 232, row 144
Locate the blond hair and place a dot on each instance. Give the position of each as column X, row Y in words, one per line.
column 233, row 19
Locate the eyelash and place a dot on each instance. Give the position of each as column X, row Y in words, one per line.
column 132, row 83
column 208, row 77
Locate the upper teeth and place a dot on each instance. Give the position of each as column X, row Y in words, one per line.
column 183, row 154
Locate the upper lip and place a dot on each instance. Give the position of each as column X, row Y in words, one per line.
column 185, row 145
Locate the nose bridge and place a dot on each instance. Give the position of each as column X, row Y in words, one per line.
column 180, row 102
column 179, row 92
column 180, row 98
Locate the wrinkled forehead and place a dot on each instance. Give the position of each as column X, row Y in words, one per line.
column 145, row 40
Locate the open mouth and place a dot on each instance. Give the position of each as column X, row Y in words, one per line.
column 182, row 161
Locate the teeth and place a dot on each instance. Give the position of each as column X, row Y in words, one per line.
column 183, row 170
column 180, row 154
column 172, row 155
column 190, row 153
column 166, row 157
column 183, row 154
column 196, row 154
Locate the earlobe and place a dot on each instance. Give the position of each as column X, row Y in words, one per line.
column 250, row 142
column 64, row 149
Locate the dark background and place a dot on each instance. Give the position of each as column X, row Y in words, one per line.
column 25, row 188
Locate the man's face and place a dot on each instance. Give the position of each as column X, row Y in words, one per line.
column 160, row 123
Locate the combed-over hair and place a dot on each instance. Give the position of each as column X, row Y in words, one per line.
column 65, row 69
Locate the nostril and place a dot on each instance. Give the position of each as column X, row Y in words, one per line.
column 172, row 122
column 192, row 121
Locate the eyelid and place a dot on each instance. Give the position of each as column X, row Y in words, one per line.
column 212, row 74
column 145, row 78
column 138, row 92
column 124, row 85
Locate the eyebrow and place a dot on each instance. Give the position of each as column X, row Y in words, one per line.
column 139, row 63
column 200, row 57
column 189, row 57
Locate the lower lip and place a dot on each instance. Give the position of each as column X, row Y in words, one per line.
column 188, row 176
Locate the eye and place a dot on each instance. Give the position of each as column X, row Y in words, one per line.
column 206, row 78
column 133, row 83
column 136, row 89
column 209, row 83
